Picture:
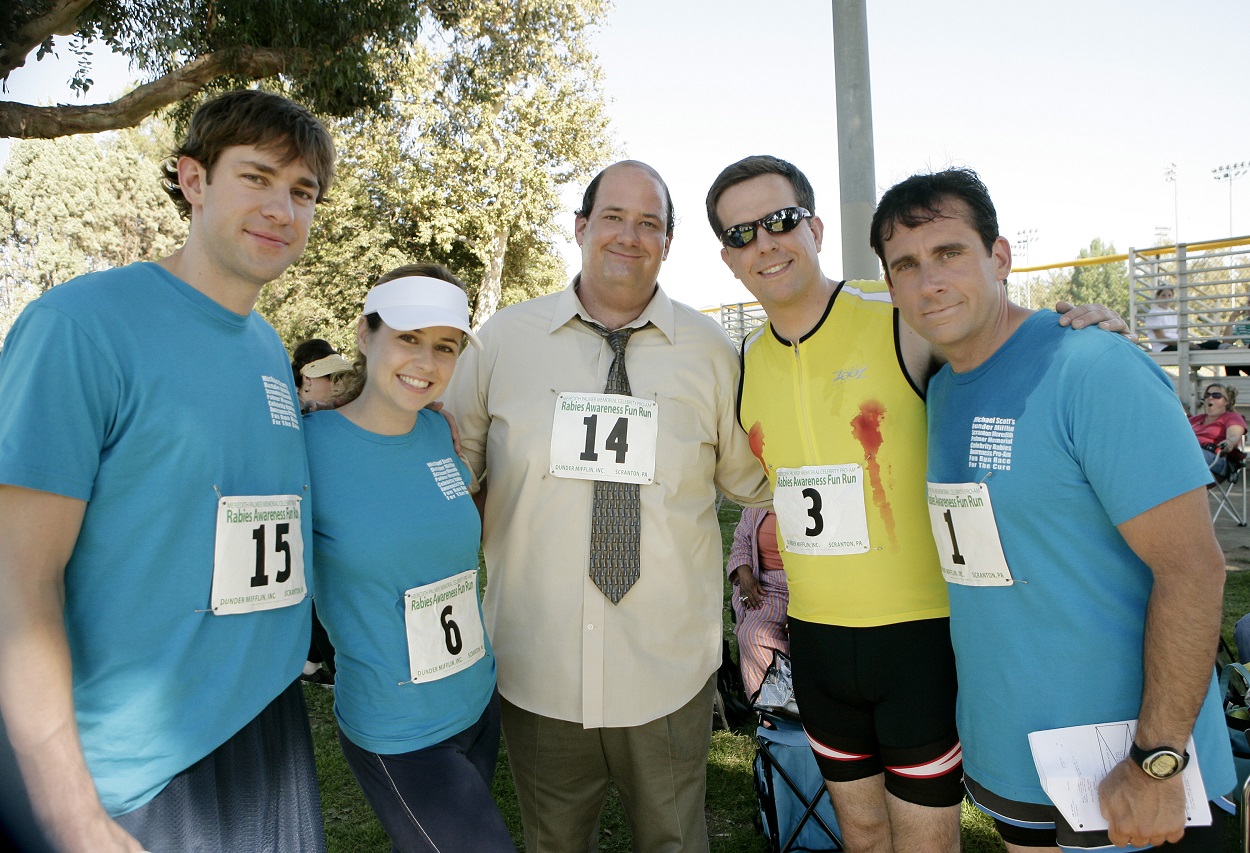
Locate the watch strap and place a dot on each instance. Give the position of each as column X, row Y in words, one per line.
column 1142, row 757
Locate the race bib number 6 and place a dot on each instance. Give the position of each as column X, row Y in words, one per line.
column 444, row 627
column 258, row 558
column 966, row 534
column 604, row 437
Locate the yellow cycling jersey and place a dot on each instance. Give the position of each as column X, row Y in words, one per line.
column 837, row 407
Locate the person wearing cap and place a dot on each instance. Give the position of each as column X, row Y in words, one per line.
column 608, row 639
column 317, row 367
column 395, row 540
column 318, row 370
column 154, row 597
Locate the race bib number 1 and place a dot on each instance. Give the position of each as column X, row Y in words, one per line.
column 820, row 509
column 966, row 534
column 444, row 627
column 604, row 437
column 258, row 559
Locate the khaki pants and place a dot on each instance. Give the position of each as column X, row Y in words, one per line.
column 562, row 770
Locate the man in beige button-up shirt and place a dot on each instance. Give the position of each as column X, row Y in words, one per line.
column 594, row 690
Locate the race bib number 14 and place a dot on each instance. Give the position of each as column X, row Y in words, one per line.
column 604, row 437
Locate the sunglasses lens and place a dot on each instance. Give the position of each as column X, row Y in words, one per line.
column 783, row 221
column 738, row 236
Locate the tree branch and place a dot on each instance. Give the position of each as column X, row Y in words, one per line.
column 31, row 122
column 17, row 46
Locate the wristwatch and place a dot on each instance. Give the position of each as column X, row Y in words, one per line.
column 1162, row 762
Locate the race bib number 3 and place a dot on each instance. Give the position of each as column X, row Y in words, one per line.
column 966, row 534
column 444, row 627
column 604, row 437
column 258, row 559
column 820, row 509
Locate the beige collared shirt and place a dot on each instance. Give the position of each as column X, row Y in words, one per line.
column 563, row 649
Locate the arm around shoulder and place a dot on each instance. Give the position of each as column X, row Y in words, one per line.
column 1091, row 314
column 38, row 531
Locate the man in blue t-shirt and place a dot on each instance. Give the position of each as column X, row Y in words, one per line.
column 1081, row 594
column 154, row 609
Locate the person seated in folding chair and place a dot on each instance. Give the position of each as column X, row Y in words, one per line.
column 1219, row 428
column 760, row 595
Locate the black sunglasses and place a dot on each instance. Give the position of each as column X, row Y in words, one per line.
column 779, row 222
column 1214, row 395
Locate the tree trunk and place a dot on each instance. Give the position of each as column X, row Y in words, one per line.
column 492, row 279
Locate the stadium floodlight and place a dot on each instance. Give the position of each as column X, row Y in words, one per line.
column 1230, row 173
column 1023, row 238
column 1169, row 175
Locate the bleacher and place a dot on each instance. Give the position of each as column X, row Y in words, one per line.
column 738, row 319
column 1211, row 282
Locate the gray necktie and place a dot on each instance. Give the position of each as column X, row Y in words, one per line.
column 614, row 524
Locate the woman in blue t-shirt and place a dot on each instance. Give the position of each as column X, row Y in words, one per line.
column 395, row 537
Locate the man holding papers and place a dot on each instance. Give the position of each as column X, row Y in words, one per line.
column 1083, row 590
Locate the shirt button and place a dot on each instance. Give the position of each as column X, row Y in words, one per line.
column 590, row 627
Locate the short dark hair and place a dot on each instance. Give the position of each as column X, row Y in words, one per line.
column 753, row 167
column 313, row 349
column 252, row 117
column 592, row 189
column 920, row 199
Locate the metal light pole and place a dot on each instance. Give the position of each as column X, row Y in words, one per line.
column 1230, row 173
column 1169, row 175
column 857, row 171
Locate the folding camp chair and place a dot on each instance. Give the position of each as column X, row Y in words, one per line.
column 1232, row 480
column 794, row 804
column 795, row 810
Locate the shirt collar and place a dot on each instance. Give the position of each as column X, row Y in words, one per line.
column 659, row 311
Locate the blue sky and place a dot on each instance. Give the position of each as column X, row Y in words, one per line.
column 1071, row 111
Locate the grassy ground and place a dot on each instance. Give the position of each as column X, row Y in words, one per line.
column 731, row 807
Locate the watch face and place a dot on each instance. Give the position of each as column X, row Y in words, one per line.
column 1161, row 765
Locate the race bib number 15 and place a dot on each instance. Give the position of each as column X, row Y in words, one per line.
column 258, row 560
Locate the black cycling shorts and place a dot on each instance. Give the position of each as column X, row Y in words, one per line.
column 881, row 700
